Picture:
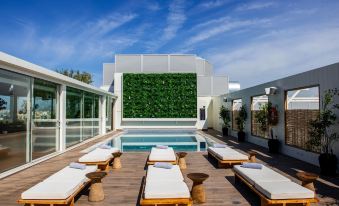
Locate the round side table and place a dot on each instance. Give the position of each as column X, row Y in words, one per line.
column 96, row 192
column 307, row 179
column 198, row 190
column 252, row 156
column 182, row 161
column 116, row 161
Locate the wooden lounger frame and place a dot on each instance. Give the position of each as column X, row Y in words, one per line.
column 266, row 201
column 164, row 201
column 103, row 166
column 222, row 163
column 60, row 202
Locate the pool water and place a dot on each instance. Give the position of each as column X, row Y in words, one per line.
column 143, row 141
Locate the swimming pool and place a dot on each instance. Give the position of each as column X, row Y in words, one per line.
column 144, row 140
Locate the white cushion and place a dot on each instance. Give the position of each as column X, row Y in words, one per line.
column 51, row 190
column 283, row 190
column 163, row 190
column 264, row 174
column 161, row 174
column 98, row 155
column 72, row 174
column 227, row 153
column 162, row 154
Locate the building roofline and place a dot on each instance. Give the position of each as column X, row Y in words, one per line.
column 36, row 70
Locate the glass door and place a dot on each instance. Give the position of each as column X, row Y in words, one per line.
column 45, row 120
column 14, row 119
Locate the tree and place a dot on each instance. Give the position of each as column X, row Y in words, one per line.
column 76, row 74
column 3, row 104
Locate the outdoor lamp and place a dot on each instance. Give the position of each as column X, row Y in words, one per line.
column 271, row 90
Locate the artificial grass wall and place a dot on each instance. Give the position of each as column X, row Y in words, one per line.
column 168, row 95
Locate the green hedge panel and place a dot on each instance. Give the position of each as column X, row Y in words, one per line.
column 169, row 95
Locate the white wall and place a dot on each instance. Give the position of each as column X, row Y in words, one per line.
column 326, row 77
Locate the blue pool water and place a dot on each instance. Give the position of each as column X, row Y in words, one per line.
column 142, row 141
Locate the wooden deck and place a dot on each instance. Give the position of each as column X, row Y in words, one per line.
column 122, row 187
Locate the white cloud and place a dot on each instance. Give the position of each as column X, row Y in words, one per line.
column 255, row 6
column 222, row 25
column 175, row 19
column 282, row 55
column 212, row 4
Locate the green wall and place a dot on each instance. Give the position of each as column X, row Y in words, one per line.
column 168, row 95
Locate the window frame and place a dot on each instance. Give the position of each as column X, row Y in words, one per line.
column 252, row 116
column 233, row 122
column 285, row 111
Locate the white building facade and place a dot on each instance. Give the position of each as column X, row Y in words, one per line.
column 208, row 86
column 44, row 113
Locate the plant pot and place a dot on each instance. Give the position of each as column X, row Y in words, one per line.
column 273, row 145
column 328, row 164
column 224, row 131
column 241, row 136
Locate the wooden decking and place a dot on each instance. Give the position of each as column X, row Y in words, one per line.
column 122, row 187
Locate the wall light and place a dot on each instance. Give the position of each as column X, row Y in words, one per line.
column 271, row 90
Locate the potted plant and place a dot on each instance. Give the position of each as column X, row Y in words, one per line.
column 268, row 117
column 240, row 121
column 273, row 143
column 322, row 135
column 225, row 116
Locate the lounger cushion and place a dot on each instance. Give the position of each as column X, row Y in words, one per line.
column 51, row 190
column 263, row 175
column 227, row 153
column 283, row 190
column 98, row 155
column 71, row 174
column 161, row 174
column 162, row 154
column 164, row 190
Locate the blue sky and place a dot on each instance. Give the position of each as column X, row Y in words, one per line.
column 251, row 41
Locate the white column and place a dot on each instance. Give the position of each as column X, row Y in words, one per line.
column 102, row 113
column 62, row 116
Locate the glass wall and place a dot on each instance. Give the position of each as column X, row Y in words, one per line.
column 236, row 105
column 302, row 106
column 14, row 119
column 73, row 116
column 45, row 124
column 256, row 104
column 82, row 113
column 109, row 112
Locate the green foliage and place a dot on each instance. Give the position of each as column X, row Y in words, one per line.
column 261, row 117
column 76, row 74
column 3, row 104
column 168, row 95
column 320, row 131
column 241, row 119
column 264, row 118
column 225, row 116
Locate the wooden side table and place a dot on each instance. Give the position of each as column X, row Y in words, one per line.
column 116, row 161
column 182, row 161
column 252, row 155
column 96, row 192
column 307, row 179
column 198, row 190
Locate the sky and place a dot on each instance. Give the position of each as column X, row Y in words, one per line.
column 250, row 41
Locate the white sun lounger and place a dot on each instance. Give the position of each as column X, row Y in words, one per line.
column 100, row 157
column 227, row 156
column 162, row 155
column 59, row 188
column 272, row 187
column 165, row 186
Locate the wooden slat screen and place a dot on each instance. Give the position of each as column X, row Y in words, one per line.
column 297, row 126
column 235, row 114
column 255, row 127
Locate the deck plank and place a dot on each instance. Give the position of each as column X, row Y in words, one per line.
column 122, row 187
